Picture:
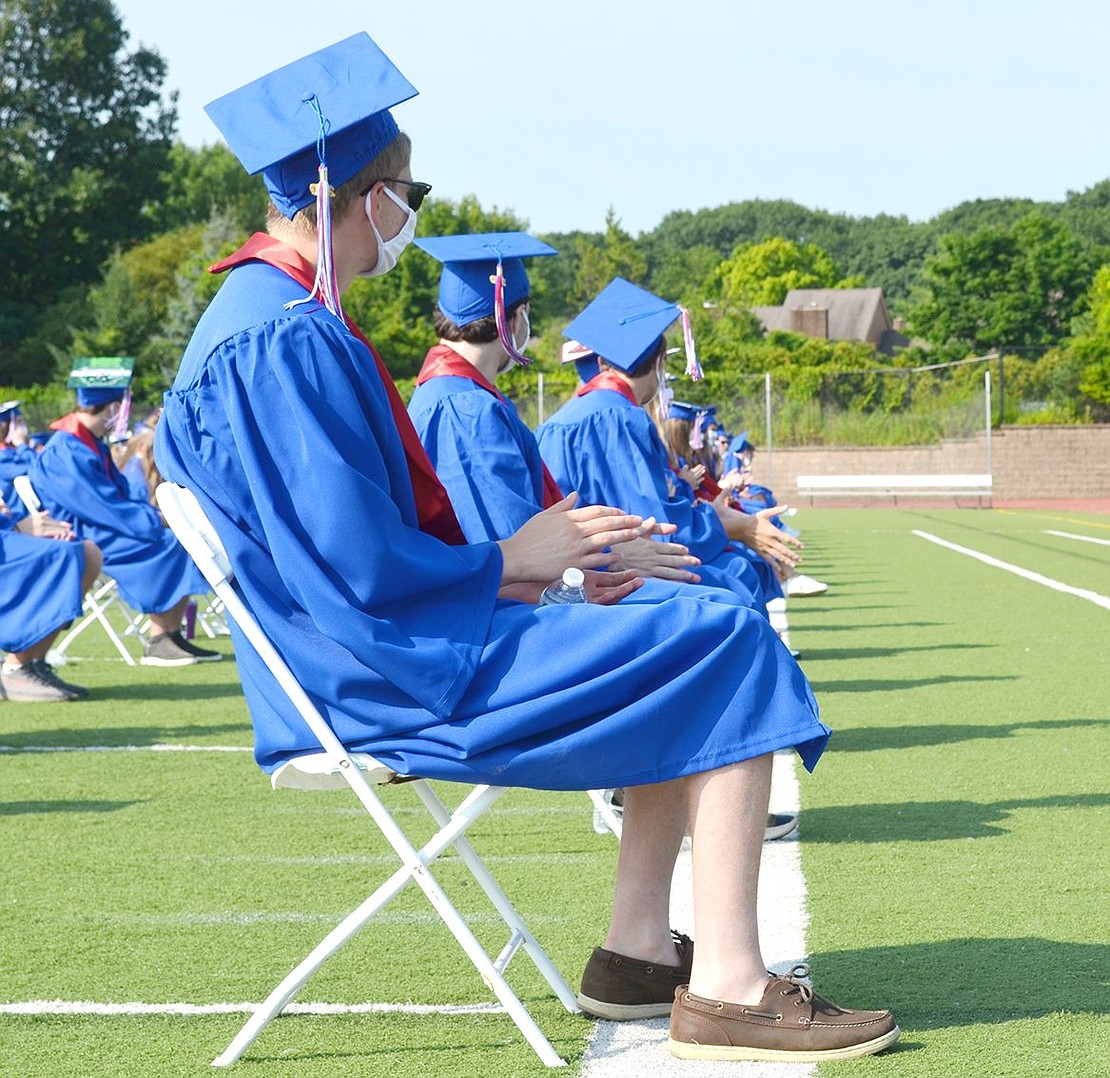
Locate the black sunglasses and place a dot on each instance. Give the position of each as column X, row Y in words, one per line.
column 417, row 191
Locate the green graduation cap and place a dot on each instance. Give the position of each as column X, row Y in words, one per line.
column 100, row 379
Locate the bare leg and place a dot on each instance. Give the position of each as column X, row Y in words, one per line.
column 728, row 814
column 94, row 560
column 653, row 826
column 168, row 621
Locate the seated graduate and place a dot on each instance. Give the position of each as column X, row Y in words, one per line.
column 44, row 574
column 604, row 444
column 15, row 456
column 287, row 426
column 481, row 450
column 77, row 481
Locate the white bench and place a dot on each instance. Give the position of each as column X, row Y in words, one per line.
column 943, row 485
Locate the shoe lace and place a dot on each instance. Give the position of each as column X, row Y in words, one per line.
column 794, row 979
column 47, row 674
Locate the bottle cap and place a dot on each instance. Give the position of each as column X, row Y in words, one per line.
column 574, row 578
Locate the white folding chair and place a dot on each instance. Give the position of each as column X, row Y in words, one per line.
column 101, row 600
column 334, row 768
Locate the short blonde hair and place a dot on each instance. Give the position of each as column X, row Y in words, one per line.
column 387, row 164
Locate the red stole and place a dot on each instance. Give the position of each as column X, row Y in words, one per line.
column 443, row 361
column 608, row 380
column 433, row 506
column 70, row 424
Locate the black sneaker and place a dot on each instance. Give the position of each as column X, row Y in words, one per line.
column 48, row 673
column 202, row 655
column 165, row 650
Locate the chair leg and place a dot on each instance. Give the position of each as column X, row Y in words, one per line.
column 97, row 603
column 520, row 933
column 415, row 867
column 603, row 808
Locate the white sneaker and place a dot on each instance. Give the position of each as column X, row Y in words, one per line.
column 800, row 585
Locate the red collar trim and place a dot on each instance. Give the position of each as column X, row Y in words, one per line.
column 72, row 425
column 609, row 380
column 443, row 361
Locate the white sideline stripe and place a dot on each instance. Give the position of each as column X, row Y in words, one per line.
column 266, row 917
column 633, row 1049
column 310, row 860
column 79, row 1007
column 1027, row 574
column 1081, row 538
column 14, row 749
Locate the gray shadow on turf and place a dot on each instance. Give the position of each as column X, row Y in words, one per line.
column 876, row 738
column 927, row 821
column 883, row 653
column 966, row 982
column 885, row 685
column 31, row 808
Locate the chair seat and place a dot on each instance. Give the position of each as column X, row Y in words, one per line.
column 321, row 771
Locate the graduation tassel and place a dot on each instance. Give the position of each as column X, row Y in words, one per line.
column 123, row 416
column 697, row 434
column 325, row 287
column 498, row 281
column 693, row 367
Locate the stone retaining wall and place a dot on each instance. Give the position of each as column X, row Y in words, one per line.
column 1027, row 462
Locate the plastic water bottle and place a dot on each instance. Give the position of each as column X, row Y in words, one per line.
column 570, row 589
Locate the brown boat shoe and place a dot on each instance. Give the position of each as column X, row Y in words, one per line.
column 791, row 1024
column 620, row 988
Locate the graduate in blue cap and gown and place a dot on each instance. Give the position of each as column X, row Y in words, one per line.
column 430, row 653
column 44, row 574
column 604, row 444
column 482, row 451
column 77, row 481
column 15, row 459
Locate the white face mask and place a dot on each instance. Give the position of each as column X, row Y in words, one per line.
column 390, row 250
column 527, row 330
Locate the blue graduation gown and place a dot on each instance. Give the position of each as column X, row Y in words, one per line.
column 490, row 463
column 40, row 586
column 607, row 448
column 14, row 460
column 82, row 485
column 482, row 452
column 280, row 423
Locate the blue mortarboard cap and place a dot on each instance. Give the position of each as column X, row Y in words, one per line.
column 272, row 125
column 9, row 409
column 469, row 262
column 623, row 323
column 739, row 443
column 100, row 379
column 684, row 411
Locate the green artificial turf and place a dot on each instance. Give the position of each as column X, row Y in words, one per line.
column 954, row 839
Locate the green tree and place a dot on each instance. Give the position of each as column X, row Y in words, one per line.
column 84, row 138
column 761, row 274
column 1012, row 288
column 615, row 254
column 200, row 183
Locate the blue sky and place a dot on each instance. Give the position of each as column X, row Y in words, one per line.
column 560, row 109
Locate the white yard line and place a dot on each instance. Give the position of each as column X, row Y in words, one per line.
column 71, row 1007
column 634, row 1049
column 1081, row 538
column 1026, row 574
column 14, row 749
